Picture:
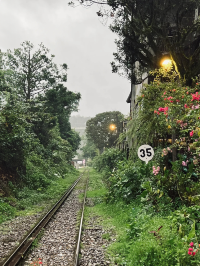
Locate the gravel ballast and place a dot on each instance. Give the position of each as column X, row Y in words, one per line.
column 57, row 242
column 12, row 231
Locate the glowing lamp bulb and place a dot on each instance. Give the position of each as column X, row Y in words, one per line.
column 112, row 127
column 166, row 62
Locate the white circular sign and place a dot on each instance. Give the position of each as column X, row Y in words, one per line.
column 145, row 153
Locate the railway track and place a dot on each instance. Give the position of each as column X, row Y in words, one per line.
column 65, row 211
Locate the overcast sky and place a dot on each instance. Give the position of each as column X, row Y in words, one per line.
column 76, row 37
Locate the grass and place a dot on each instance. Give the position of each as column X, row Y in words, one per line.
column 30, row 202
column 132, row 225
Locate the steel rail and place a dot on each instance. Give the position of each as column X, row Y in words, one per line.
column 76, row 257
column 18, row 253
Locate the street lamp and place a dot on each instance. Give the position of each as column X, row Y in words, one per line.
column 166, row 62
column 112, row 127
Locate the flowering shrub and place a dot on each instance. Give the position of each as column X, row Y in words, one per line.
column 169, row 117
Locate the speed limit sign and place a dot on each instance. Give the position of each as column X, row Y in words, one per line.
column 145, row 153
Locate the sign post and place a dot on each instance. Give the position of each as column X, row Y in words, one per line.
column 145, row 153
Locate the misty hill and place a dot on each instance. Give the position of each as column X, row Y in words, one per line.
column 78, row 123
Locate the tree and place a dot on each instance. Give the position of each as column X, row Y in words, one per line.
column 89, row 149
column 15, row 133
column 60, row 102
column 37, row 142
column 100, row 130
column 150, row 29
column 32, row 72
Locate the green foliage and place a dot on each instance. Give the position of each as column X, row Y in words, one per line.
column 98, row 129
column 108, row 160
column 125, row 181
column 159, row 240
column 61, row 103
column 36, row 139
column 36, row 241
column 174, row 185
column 15, row 132
column 143, row 236
column 168, row 118
column 89, row 149
column 6, row 211
column 142, row 36
column 29, row 200
column 31, row 71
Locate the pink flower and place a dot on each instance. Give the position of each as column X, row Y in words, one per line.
column 170, row 97
column 191, row 244
column 189, row 253
column 163, row 109
column 193, row 253
column 156, row 171
column 195, row 97
column 184, row 163
column 186, row 106
column 197, row 106
column 188, row 148
column 191, row 133
column 190, row 249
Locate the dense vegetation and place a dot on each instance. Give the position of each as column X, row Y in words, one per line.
column 149, row 30
column 166, row 191
column 36, row 139
column 104, row 129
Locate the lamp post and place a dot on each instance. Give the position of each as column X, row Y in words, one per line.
column 167, row 63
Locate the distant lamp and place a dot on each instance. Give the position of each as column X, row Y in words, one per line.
column 112, row 127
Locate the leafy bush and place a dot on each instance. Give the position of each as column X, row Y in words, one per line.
column 162, row 241
column 108, row 160
column 125, row 181
column 14, row 134
column 6, row 211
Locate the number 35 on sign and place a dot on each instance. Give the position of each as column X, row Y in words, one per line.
column 145, row 153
